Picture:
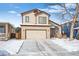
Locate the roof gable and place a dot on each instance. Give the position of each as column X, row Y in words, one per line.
column 54, row 23
column 36, row 11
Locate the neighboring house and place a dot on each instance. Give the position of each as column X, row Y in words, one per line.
column 5, row 30
column 36, row 25
column 67, row 26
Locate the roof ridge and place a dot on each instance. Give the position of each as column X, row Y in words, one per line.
column 34, row 9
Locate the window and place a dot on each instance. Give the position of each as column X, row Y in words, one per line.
column 26, row 18
column 2, row 29
column 42, row 20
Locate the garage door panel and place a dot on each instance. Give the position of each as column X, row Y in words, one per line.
column 35, row 34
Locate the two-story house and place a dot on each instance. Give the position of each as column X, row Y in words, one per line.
column 35, row 25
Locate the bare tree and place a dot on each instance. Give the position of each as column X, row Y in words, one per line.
column 74, row 17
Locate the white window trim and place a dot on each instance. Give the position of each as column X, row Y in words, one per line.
column 26, row 20
column 42, row 20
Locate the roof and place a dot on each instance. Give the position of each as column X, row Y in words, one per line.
column 68, row 22
column 76, row 28
column 7, row 23
column 33, row 10
column 55, row 23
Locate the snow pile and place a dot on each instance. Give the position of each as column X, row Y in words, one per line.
column 12, row 46
column 68, row 45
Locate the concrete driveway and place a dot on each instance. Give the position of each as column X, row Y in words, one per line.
column 41, row 48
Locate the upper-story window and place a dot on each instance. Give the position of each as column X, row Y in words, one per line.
column 26, row 18
column 42, row 20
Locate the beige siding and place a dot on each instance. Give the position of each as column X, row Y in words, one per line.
column 9, row 29
column 33, row 18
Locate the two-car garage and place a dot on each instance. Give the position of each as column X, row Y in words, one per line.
column 35, row 34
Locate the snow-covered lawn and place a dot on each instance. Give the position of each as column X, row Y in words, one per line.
column 12, row 46
column 66, row 44
column 2, row 42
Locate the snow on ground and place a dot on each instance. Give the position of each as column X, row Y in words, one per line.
column 66, row 44
column 1, row 43
column 12, row 46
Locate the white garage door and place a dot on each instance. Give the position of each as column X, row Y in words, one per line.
column 36, row 34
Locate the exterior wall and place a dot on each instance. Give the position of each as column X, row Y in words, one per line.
column 66, row 28
column 55, row 29
column 24, row 28
column 9, row 30
column 33, row 18
column 43, row 15
column 59, row 32
column 55, row 32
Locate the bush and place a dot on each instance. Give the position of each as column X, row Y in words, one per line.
column 18, row 29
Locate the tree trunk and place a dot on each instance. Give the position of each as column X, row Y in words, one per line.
column 72, row 31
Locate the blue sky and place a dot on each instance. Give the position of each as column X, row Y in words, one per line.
column 10, row 12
